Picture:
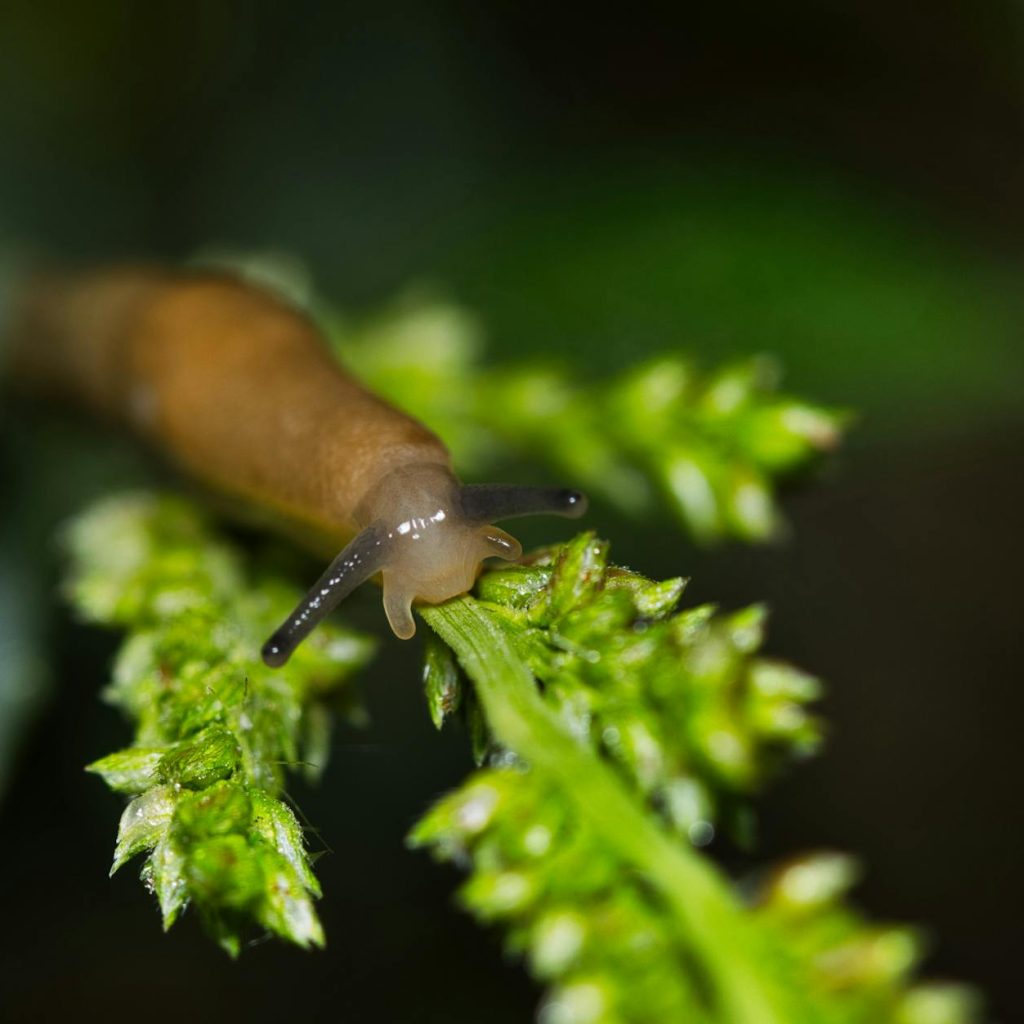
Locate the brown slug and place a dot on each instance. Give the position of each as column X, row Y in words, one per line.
column 238, row 388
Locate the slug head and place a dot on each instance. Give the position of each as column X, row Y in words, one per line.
column 427, row 536
column 433, row 550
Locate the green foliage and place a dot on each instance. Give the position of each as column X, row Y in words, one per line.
column 708, row 445
column 580, row 667
column 609, row 947
column 859, row 969
column 587, row 925
column 678, row 701
column 214, row 728
column 618, row 733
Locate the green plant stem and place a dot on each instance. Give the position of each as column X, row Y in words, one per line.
column 700, row 897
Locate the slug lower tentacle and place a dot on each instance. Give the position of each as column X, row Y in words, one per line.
column 238, row 388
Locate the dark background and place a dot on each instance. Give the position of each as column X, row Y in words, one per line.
column 835, row 183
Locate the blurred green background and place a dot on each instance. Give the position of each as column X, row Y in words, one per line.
column 836, row 184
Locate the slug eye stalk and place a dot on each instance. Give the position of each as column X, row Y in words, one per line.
column 483, row 502
column 356, row 563
column 428, row 548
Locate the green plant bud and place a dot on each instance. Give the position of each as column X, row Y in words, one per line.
column 811, row 882
column 654, row 600
column 935, row 1003
column 733, row 387
column 195, row 764
column 514, row 586
column 498, row 894
column 633, row 738
column 777, row 680
column 746, row 628
column 780, row 436
column 556, row 941
column 725, row 748
column 578, row 572
column 689, row 807
column 221, row 809
column 691, row 480
column 646, row 401
column 442, row 684
column 226, row 872
column 869, row 958
column 586, row 1000
column 589, row 629
column 462, row 816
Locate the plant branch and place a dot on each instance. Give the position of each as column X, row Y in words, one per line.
column 214, row 728
column 620, row 729
column 710, row 446
column 699, row 896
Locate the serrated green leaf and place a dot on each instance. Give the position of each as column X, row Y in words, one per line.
column 129, row 771
column 164, row 873
column 144, row 823
column 223, row 808
column 287, row 908
column 276, row 823
column 441, row 683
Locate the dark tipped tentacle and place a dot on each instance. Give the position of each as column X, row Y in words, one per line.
column 483, row 503
column 357, row 562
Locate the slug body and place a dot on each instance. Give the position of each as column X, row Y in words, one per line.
column 239, row 389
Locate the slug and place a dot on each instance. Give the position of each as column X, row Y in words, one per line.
column 239, row 390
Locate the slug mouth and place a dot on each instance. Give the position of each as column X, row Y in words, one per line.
column 435, row 558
